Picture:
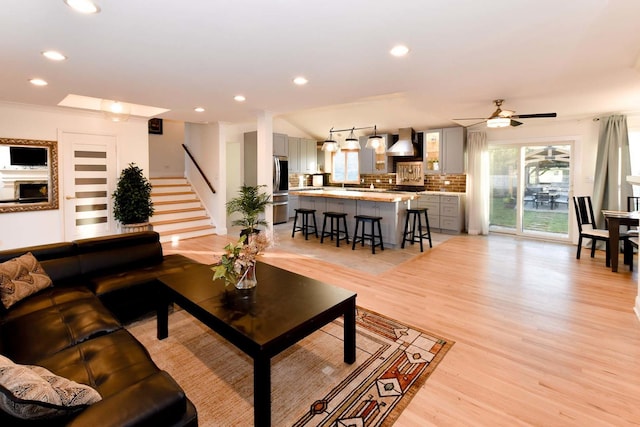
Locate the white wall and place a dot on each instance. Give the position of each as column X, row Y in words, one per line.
column 33, row 122
column 206, row 144
column 166, row 156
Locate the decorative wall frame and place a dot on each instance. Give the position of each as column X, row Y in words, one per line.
column 155, row 126
column 10, row 175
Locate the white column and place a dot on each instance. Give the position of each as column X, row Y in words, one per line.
column 265, row 158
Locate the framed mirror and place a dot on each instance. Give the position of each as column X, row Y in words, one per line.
column 28, row 175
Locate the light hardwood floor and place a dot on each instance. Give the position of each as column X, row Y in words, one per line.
column 541, row 338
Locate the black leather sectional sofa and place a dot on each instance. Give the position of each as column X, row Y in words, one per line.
column 74, row 329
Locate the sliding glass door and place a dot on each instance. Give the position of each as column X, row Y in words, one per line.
column 530, row 189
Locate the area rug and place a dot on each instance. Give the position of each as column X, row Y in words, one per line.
column 311, row 385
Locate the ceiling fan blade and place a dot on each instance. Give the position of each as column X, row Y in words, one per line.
column 483, row 121
column 515, row 123
column 472, row 118
column 533, row 116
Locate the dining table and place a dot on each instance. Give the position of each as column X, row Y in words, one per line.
column 614, row 220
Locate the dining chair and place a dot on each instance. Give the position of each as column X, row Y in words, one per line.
column 588, row 228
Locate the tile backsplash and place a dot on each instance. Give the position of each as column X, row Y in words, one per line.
column 455, row 183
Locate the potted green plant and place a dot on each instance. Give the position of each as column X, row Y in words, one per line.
column 132, row 205
column 250, row 203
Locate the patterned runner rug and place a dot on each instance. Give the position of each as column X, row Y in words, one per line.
column 310, row 383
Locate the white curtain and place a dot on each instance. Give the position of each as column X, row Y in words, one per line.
column 477, row 183
column 610, row 188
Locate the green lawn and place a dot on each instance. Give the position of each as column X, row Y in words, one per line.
column 549, row 221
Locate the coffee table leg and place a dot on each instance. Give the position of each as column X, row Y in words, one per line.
column 350, row 332
column 162, row 316
column 262, row 391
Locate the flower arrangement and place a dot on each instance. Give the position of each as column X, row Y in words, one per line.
column 239, row 256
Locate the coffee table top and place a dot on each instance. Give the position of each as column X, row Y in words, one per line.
column 281, row 303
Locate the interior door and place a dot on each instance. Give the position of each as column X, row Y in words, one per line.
column 90, row 177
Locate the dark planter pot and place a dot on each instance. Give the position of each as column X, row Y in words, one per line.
column 246, row 232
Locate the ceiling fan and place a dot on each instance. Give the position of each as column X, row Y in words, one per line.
column 503, row 118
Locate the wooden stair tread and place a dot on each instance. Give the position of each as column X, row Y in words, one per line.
column 187, row 230
column 175, row 202
column 170, row 185
column 175, row 221
column 178, row 193
column 172, row 211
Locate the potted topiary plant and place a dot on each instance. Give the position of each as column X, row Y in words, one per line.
column 250, row 203
column 132, row 205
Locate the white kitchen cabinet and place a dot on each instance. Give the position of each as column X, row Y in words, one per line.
column 294, row 154
column 445, row 211
column 391, row 218
column 317, row 203
column 308, row 155
column 302, row 155
column 294, row 203
column 369, row 162
column 280, row 145
column 444, row 150
column 432, row 203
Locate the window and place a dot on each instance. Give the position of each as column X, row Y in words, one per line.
column 346, row 167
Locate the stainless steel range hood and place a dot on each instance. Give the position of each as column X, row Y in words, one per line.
column 405, row 146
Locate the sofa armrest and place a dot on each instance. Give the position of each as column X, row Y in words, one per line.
column 156, row 400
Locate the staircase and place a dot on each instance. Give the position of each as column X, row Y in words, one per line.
column 178, row 213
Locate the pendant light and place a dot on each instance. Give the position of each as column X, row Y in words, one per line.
column 330, row 144
column 374, row 141
column 351, row 143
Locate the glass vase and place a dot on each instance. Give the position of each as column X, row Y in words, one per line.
column 248, row 279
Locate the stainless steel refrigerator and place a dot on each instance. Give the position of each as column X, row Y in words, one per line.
column 280, row 189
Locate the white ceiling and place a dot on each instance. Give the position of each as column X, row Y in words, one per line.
column 574, row 57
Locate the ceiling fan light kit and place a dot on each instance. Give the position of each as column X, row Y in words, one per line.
column 503, row 118
column 498, row 122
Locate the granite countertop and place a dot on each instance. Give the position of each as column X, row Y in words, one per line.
column 372, row 196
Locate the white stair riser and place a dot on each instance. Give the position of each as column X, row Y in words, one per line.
column 178, row 205
column 168, row 198
column 176, row 226
column 187, row 234
column 168, row 181
column 159, row 216
column 171, row 189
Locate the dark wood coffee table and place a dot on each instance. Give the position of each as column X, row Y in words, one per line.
column 284, row 308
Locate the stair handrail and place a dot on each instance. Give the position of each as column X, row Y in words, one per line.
column 198, row 167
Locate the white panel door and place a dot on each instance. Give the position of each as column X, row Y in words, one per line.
column 90, row 179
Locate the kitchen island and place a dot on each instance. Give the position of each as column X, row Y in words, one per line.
column 389, row 205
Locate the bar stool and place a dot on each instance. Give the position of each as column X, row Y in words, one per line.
column 374, row 221
column 335, row 227
column 413, row 215
column 306, row 228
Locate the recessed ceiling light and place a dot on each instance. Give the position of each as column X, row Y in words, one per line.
column 38, row 82
column 240, row 98
column 53, row 55
column 83, row 6
column 300, row 81
column 198, row 109
column 399, row 50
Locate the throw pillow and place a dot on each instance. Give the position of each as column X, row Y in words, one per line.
column 33, row 392
column 21, row 277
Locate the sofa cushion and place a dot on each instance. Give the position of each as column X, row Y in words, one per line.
column 108, row 363
column 21, row 277
column 32, row 392
column 51, row 329
column 48, row 297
